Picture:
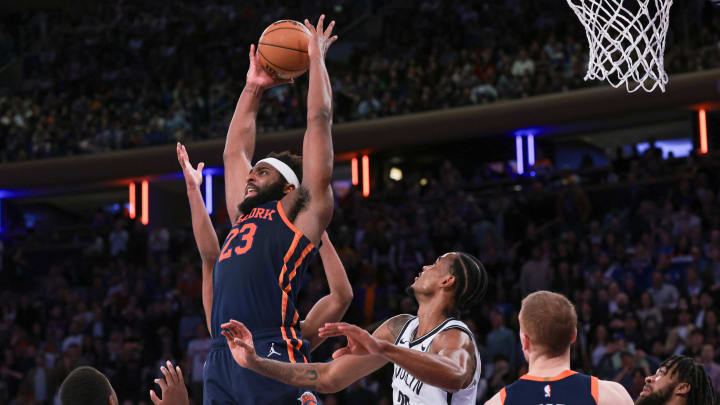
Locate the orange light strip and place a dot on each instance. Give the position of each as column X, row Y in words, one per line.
column 703, row 131
column 366, row 175
column 131, row 205
column 354, row 170
column 145, row 215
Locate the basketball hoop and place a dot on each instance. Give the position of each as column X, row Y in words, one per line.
column 626, row 45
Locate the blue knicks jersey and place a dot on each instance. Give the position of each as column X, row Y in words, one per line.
column 566, row 388
column 257, row 275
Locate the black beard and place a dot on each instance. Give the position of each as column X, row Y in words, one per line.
column 659, row 397
column 410, row 291
column 272, row 192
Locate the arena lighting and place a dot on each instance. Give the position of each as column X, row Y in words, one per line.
column 131, row 205
column 366, row 175
column 531, row 150
column 1, row 217
column 702, row 120
column 396, row 174
column 145, row 214
column 354, row 170
column 208, row 194
column 519, row 154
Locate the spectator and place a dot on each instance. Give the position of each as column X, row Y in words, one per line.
column 663, row 294
column 536, row 273
column 197, row 351
column 118, row 240
column 707, row 358
column 501, row 340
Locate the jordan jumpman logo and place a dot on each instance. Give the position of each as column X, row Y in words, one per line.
column 272, row 350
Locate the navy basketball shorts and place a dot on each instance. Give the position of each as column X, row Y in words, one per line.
column 227, row 383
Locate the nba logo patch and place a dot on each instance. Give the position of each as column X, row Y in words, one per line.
column 308, row 398
column 547, row 391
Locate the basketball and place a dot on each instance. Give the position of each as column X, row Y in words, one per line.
column 282, row 49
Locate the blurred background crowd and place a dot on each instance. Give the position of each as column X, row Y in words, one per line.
column 129, row 74
column 635, row 245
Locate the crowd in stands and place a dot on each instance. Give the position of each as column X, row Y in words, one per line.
column 638, row 253
column 127, row 74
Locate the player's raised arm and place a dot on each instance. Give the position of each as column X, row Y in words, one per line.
column 331, row 307
column 449, row 363
column 322, row 377
column 317, row 143
column 240, row 141
column 205, row 236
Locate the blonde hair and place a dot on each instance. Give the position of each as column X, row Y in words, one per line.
column 549, row 320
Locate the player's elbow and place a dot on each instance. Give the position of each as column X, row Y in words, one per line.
column 321, row 115
column 458, row 380
column 343, row 296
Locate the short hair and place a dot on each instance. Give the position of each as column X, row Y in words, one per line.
column 85, row 386
column 290, row 159
column 688, row 371
column 549, row 320
column 471, row 282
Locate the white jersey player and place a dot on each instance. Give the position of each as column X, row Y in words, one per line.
column 435, row 356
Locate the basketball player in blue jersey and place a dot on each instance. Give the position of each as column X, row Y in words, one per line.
column 280, row 208
column 329, row 308
column 435, row 356
column 548, row 326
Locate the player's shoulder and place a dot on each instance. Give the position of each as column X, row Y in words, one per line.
column 612, row 393
column 497, row 399
column 393, row 327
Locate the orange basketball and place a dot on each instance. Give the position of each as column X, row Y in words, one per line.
column 283, row 49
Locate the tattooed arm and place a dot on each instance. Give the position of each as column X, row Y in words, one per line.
column 321, row 377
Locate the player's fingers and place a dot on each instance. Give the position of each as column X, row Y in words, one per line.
column 340, row 352
column 245, row 346
column 240, row 326
column 252, row 53
column 171, row 372
column 200, row 167
column 178, row 371
column 166, row 373
column 227, row 336
column 309, row 26
column 161, row 382
column 154, row 398
column 331, row 40
column 320, row 23
column 330, row 333
column 329, row 28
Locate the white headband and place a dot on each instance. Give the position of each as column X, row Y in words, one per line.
column 284, row 170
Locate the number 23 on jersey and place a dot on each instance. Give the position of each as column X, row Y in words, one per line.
column 246, row 234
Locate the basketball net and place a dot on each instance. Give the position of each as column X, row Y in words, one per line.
column 626, row 47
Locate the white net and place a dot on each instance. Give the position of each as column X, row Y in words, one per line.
column 626, row 43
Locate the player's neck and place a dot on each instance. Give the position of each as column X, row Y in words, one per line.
column 429, row 316
column 543, row 366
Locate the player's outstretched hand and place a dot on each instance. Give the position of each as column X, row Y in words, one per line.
column 173, row 387
column 240, row 342
column 193, row 177
column 259, row 78
column 360, row 342
column 320, row 38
